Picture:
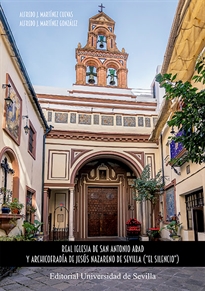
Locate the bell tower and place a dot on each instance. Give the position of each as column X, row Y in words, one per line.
column 100, row 62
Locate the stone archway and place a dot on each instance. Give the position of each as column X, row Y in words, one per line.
column 103, row 198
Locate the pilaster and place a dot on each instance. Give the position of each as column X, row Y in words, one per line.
column 45, row 213
column 71, row 236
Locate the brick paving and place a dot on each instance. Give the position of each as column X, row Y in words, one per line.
column 129, row 278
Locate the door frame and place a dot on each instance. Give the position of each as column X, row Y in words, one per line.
column 100, row 185
column 195, row 220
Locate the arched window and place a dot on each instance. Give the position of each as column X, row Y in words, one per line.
column 6, row 183
column 91, row 75
column 111, row 77
column 101, row 42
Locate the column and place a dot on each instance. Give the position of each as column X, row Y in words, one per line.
column 45, row 213
column 80, row 74
column 101, row 73
column 71, row 237
column 149, row 215
column 122, row 77
column 139, row 212
column 144, row 220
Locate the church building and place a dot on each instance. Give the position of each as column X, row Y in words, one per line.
column 71, row 156
column 99, row 142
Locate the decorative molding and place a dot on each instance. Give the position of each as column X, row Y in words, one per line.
column 96, row 119
column 73, row 118
column 134, row 165
column 84, row 119
column 49, row 116
column 101, row 137
column 58, row 185
column 94, row 103
column 6, row 221
column 51, row 153
column 102, row 60
column 101, row 54
column 129, row 121
column 140, row 121
column 139, row 156
column 76, row 154
column 61, row 117
column 147, row 122
column 150, row 159
column 71, row 97
column 118, row 120
column 107, row 120
column 54, row 156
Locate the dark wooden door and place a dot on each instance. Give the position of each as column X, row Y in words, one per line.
column 198, row 221
column 102, row 211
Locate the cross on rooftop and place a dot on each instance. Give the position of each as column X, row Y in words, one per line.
column 101, row 6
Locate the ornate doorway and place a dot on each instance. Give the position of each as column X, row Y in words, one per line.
column 102, row 211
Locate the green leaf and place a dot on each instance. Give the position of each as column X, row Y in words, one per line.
column 192, row 114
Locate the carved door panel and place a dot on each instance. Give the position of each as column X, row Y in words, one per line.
column 102, row 211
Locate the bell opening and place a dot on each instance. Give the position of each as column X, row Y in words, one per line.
column 91, row 81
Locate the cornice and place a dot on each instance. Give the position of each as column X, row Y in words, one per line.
column 96, row 20
column 55, row 185
column 101, row 137
column 96, row 112
column 132, row 102
column 111, row 106
column 101, row 54
column 179, row 16
column 102, row 93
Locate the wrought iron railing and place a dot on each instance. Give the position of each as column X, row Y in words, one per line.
column 60, row 233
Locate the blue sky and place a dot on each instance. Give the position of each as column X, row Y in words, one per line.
column 48, row 52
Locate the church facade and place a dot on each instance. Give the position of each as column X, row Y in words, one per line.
column 73, row 154
column 99, row 143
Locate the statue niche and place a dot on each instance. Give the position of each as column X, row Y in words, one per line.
column 102, row 174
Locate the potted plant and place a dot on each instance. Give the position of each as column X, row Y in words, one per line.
column 30, row 209
column 153, row 233
column 15, row 206
column 32, row 229
column 133, row 228
column 173, row 227
column 5, row 208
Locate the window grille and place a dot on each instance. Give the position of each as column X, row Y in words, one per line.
column 193, row 200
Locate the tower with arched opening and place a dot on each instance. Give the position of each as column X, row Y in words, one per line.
column 99, row 144
column 100, row 62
